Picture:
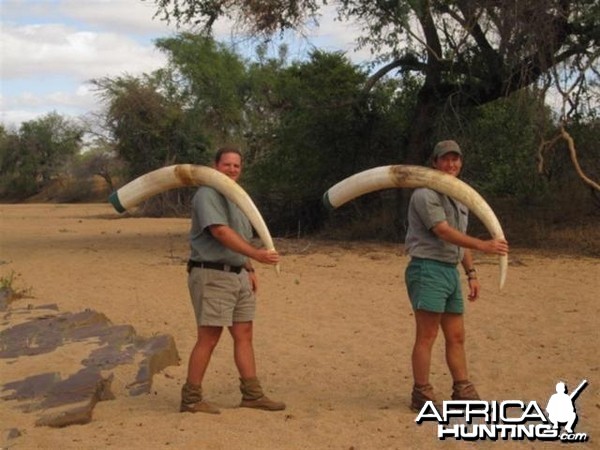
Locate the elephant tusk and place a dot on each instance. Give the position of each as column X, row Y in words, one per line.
column 180, row 175
column 404, row 176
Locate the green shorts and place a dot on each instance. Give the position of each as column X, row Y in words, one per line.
column 221, row 298
column 434, row 286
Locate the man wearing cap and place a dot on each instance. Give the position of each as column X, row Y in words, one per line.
column 436, row 242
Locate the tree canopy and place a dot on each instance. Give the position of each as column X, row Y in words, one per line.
column 149, row 123
column 302, row 125
column 37, row 153
column 467, row 52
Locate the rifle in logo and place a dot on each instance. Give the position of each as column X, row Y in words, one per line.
column 578, row 389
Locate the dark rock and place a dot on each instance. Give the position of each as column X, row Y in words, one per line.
column 74, row 415
column 71, row 400
column 160, row 352
column 35, row 386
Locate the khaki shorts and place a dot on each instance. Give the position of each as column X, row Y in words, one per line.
column 221, row 298
column 434, row 286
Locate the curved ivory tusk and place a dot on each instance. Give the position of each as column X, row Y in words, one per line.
column 181, row 175
column 400, row 176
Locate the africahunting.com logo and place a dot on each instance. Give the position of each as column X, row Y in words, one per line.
column 473, row 420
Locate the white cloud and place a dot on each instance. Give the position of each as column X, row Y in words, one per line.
column 26, row 106
column 122, row 16
column 37, row 51
column 36, row 54
column 50, row 49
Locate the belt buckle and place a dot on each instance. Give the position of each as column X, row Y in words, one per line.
column 227, row 268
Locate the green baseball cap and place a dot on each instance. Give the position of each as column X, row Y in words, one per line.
column 443, row 147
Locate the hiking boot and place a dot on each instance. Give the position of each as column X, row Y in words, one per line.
column 464, row 390
column 191, row 401
column 254, row 397
column 421, row 395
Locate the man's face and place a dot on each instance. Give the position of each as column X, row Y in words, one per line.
column 450, row 163
column 230, row 164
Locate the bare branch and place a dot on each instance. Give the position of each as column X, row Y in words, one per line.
column 571, row 144
column 407, row 62
column 544, row 145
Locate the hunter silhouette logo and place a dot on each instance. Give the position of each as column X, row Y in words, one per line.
column 561, row 406
column 509, row 419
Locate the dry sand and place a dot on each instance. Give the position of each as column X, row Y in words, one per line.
column 333, row 336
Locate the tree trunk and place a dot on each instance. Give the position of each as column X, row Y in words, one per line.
column 417, row 153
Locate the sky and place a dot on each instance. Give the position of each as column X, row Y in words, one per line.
column 51, row 49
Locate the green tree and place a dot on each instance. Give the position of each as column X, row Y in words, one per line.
column 50, row 142
column 263, row 109
column 464, row 52
column 100, row 160
column 500, row 139
column 11, row 160
column 149, row 123
column 212, row 79
column 37, row 153
column 326, row 128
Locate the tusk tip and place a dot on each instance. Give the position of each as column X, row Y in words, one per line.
column 327, row 202
column 114, row 200
column 503, row 270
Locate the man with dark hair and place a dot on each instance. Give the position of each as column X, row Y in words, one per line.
column 222, row 284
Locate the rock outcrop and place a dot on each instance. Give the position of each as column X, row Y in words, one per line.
column 65, row 389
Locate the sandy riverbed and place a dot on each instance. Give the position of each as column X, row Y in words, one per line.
column 333, row 336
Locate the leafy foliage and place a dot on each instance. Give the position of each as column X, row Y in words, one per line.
column 466, row 52
column 100, row 161
column 307, row 124
column 151, row 129
column 327, row 128
column 36, row 154
column 211, row 80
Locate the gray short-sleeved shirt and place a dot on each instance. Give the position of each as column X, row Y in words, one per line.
column 427, row 208
column 209, row 207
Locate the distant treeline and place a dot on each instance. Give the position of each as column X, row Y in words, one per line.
column 302, row 126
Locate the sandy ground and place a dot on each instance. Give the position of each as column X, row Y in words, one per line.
column 333, row 336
